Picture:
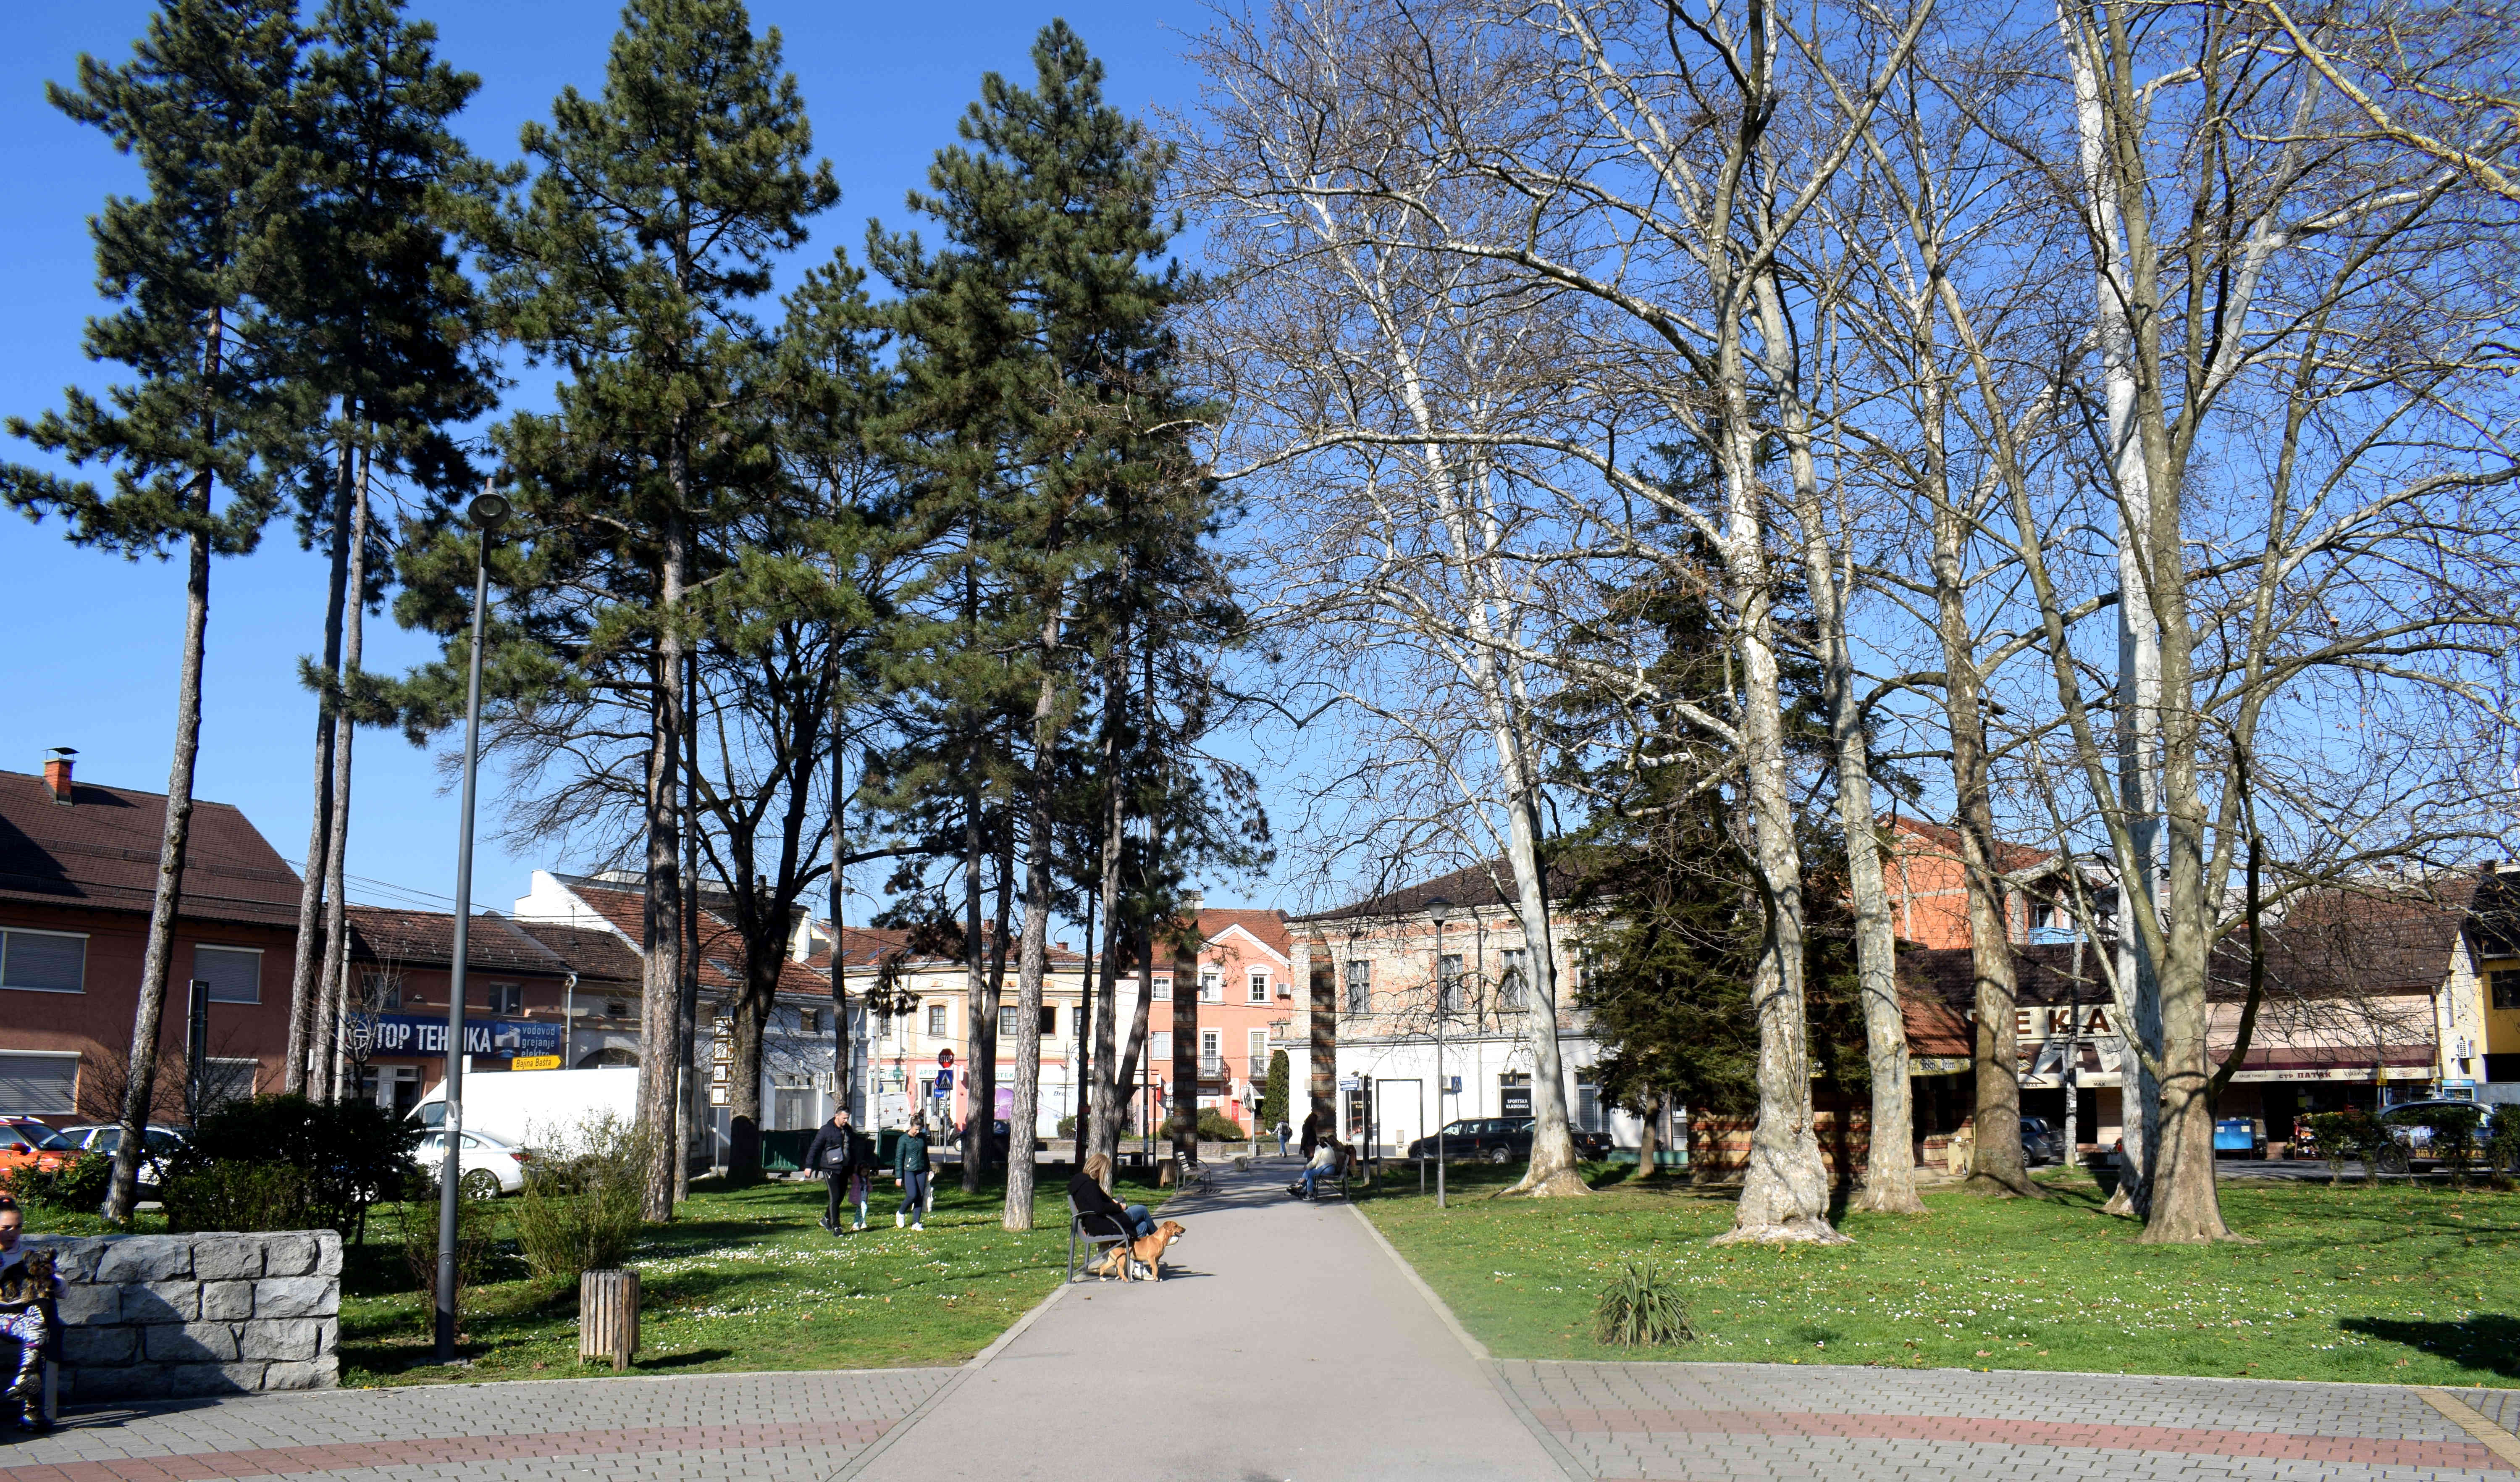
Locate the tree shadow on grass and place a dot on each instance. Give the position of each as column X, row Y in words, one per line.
column 2490, row 1341
column 684, row 1360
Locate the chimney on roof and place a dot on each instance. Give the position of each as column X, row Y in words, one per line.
column 1197, row 901
column 57, row 773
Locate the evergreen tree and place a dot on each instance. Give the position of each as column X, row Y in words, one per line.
column 384, row 326
column 201, row 440
column 654, row 213
column 1037, row 397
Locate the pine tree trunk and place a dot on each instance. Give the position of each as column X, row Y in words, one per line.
column 327, row 1070
column 307, row 961
column 1023, row 1127
column 1647, row 1140
column 140, row 1083
column 1181, row 1109
column 661, row 931
column 1106, row 1097
column 691, row 1094
column 980, row 1078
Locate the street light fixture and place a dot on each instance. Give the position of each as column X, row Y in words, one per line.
column 1436, row 911
column 485, row 513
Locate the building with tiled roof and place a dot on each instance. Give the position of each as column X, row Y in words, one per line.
column 522, row 1001
column 78, row 876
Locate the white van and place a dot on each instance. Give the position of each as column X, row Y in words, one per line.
column 527, row 1107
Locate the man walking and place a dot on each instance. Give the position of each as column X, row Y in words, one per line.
column 833, row 1153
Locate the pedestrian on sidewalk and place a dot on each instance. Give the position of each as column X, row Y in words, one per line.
column 910, row 1166
column 834, row 1155
column 1284, row 1132
column 1312, row 1134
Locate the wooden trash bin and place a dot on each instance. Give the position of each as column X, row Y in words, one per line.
column 608, row 1316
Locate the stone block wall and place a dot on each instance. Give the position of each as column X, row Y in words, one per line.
column 160, row 1315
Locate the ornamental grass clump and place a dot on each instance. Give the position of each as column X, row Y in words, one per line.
column 580, row 1209
column 1642, row 1308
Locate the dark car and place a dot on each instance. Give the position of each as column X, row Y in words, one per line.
column 2041, row 1142
column 1501, row 1140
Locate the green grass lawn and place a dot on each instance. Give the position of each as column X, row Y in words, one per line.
column 2396, row 1285
column 744, row 1279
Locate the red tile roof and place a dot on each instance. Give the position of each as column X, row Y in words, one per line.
column 101, row 853
column 1270, row 926
column 595, row 956
column 721, row 946
column 426, row 938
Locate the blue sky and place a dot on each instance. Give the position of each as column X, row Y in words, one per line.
column 92, row 642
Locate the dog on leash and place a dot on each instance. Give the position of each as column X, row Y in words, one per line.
column 1148, row 1251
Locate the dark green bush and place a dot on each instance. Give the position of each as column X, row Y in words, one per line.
column 235, row 1195
column 1642, row 1308
column 346, row 1155
column 2349, row 1134
column 2453, row 1142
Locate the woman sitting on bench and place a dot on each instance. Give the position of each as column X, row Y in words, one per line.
column 1325, row 1164
column 1090, row 1192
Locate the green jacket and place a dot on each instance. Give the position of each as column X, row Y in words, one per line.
column 910, row 1154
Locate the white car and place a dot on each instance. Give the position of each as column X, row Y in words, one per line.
column 486, row 1167
column 157, row 1144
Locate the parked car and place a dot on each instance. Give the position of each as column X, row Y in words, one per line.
column 2041, row 1142
column 157, row 1144
column 486, row 1167
column 1501, row 1140
column 26, row 1142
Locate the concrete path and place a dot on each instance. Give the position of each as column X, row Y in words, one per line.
column 1284, row 1343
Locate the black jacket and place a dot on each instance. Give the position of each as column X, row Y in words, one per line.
column 840, row 1142
column 1102, row 1213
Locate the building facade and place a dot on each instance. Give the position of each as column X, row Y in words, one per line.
column 78, row 874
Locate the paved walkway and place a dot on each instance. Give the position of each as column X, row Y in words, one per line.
column 1289, row 1345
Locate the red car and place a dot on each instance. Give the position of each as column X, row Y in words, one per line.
column 27, row 1142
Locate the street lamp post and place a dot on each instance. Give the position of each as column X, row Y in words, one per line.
column 1436, row 909
column 485, row 515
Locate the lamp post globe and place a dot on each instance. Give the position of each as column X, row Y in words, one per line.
column 488, row 511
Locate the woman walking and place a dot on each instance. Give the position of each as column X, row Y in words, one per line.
column 910, row 1165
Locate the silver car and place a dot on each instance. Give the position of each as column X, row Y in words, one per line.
column 157, row 1144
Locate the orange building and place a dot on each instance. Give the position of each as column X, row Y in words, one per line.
column 1246, row 1003
column 1928, row 886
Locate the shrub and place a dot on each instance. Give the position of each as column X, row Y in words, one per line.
column 1068, row 1127
column 2349, row 1134
column 79, row 1184
column 415, row 1231
column 2503, row 1148
column 1215, row 1127
column 1642, row 1308
column 235, row 1195
column 2453, row 1130
column 580, row 1209
column 347, row 1154
column 1275, row 1101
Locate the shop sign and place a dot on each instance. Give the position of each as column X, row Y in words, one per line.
column 416, row 1034
column 534, row 1062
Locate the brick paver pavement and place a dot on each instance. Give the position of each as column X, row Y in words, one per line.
column 1697, row 1422
column 1292, row 1345
column 696, row 1428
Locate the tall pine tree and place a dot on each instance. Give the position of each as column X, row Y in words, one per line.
column 1037, row 396
column 654, row 216
column 202, row 441
column 387, row 329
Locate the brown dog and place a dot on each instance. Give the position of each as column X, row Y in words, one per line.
column 1147, row 1250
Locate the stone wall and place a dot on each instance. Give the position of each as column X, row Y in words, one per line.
column 146, row 1316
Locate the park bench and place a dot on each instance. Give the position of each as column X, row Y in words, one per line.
column 1093, row 1243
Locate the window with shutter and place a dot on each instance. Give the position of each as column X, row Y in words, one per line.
column 43, row 961
column 234, row 973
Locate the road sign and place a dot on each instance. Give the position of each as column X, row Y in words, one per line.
column 944, row 1081
column 945, row 1058
column 534, row 1062
column 1350, row 1083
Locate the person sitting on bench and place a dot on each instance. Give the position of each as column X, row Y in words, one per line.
column 1324, row 1165
column 1091, row 1192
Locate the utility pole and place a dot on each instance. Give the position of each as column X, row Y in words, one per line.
column 1436, row 909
